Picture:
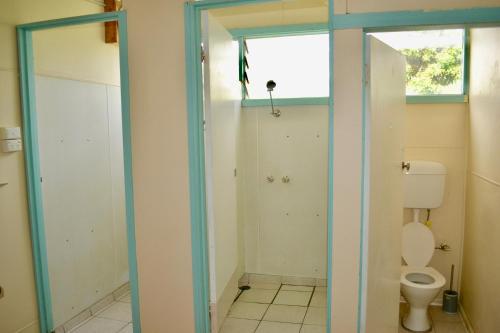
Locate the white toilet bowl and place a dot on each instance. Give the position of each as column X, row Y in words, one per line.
column 419, row 284
column 419, row 287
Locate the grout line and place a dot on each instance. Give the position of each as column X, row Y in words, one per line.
column 276, row 295
column 310, row 298
column 265, row 312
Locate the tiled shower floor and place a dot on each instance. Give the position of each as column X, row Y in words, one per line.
column 278, row 308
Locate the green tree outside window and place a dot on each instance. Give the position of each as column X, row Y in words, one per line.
column 430, row 70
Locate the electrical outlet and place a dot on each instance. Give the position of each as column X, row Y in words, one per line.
column 7, row 133
column 11, row 145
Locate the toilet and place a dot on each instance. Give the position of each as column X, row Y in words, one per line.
column 420, row 284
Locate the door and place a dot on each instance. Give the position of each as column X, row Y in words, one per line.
column 222, row 104
column 383, row 192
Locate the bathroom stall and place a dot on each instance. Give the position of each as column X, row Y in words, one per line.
column 426, row 166
column 266, row 145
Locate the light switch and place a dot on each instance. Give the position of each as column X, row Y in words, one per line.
column 11, row 145
column 7, row 133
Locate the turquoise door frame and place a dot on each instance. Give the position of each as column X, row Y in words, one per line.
column 32, row 158
column 194, row 88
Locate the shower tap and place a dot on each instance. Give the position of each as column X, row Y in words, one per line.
column 270, row 85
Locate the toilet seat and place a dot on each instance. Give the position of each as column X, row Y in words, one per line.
column 417, row 244
column 439, row 280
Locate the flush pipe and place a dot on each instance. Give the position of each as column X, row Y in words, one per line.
column 416, row 215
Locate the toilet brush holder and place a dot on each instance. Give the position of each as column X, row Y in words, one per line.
column 450, row 301
column 450, row 297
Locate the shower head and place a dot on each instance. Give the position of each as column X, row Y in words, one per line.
column 270, row 85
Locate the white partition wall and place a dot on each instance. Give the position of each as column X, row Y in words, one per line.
column 81, row 161
column 480, row 291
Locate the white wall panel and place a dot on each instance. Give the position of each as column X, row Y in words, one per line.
column 285, row 223
column 82, row 192
column 481, row 268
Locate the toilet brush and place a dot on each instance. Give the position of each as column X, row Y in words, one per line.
column 451, row 277
column 450, row 297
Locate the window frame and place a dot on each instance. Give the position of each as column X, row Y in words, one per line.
column 278, row 31
column 322, row 28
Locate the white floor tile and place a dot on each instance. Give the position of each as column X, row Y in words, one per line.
column 117, row 311
column 298, row 281
column 127, row 298
column 263, row 285
column 234, row 325
column 321, row 282
column 104, row 303
column 320, row 289
column 127, row 329
column 318, row 299
column 246, row 310
column 438, row 314
column 313, row 329
column 449, row 327
column 264, row 278
column 296, row 288
column 78, row 319
column 121, row 291
column 285, row 313
column 315, row 316
column 274, row 327
column 293, row 298
column 100, row 325
column 257, row 296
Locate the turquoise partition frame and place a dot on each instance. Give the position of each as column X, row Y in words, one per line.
column 32, row 158
column 364, row 21
column 194, row 88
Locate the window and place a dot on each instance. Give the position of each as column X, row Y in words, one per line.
column 434, row 60
column 298, row 64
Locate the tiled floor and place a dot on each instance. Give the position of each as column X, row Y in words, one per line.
column 441, row 321
column 116, row 317
column 278, row 308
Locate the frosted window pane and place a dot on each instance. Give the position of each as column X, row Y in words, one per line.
column 298, row 65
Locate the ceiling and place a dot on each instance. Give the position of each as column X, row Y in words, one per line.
column 283, row 12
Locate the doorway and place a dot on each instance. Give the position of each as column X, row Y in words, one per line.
column 78, row 159
column 302, row 122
